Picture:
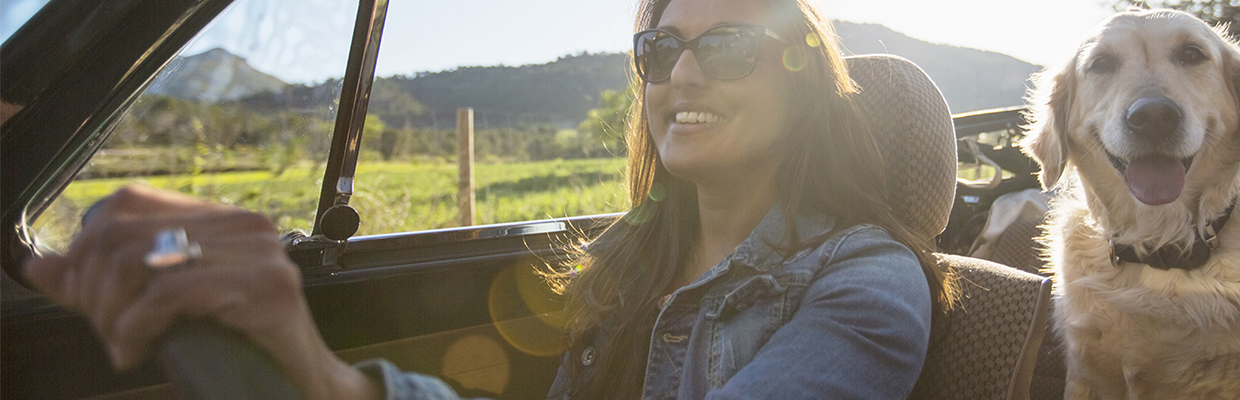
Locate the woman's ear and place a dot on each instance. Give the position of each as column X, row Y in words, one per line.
column 1045, row 139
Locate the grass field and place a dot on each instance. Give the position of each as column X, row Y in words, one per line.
column 390, row 196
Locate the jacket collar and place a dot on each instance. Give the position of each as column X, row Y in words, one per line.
column 765, row 247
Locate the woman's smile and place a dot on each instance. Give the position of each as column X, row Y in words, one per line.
column 694, row 119
column 697, row 117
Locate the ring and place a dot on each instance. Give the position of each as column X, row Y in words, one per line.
column 172, row 248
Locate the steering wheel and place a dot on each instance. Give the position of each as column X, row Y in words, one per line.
column 206, row 361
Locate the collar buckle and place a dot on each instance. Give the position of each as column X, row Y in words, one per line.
column 1173, row 256
column 1211, row 237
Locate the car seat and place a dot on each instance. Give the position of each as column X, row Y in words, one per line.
column 985, row 347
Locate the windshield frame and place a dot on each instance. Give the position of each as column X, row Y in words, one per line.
column 72, row 87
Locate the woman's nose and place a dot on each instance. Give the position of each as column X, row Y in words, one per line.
column 687, row 72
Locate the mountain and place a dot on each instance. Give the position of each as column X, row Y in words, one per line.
column 213, row 76
column 970, row 79
column 562, row 92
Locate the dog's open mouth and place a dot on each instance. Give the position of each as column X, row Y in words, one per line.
column 1154, row 179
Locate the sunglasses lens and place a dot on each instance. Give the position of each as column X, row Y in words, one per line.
column 724, row 53
column 656, row 53
column 727, row 52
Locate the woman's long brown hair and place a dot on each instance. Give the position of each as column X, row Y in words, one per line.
column 835, row 168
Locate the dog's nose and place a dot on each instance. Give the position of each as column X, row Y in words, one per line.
column 1153, row 117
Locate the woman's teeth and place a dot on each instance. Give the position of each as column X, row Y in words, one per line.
column 696, row 117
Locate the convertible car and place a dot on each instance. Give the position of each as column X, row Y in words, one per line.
column 95, row 95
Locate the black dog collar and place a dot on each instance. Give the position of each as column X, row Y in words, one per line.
column 1174, row 256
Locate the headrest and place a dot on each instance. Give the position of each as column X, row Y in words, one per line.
column 909, row 118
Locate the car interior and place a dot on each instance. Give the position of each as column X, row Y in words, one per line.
column 466, row 303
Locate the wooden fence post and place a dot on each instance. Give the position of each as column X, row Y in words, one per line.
column 465, row 159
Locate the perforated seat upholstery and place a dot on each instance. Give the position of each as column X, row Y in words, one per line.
column 1018, row 248
column 986, row 347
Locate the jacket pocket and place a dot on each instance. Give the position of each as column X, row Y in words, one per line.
column 743, row 319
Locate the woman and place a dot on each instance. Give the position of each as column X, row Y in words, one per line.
column 753, row 255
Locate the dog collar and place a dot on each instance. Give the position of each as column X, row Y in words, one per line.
column 1174, row 256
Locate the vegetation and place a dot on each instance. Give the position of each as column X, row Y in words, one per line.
column 390, row 196
column 1213, row 12
column 558, row 93
column 605, row 126
column 265, row 152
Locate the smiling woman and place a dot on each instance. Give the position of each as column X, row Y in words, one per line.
column 741, row 175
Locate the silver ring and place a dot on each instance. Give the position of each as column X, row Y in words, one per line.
column 172, row 249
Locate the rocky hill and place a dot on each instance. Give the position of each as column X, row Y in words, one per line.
column 213, row 76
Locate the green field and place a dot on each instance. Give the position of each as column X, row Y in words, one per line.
column 390, row 196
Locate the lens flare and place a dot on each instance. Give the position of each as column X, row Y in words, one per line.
column 477, row 362
column 795, row 59
column 658, row 192
column 642, row 213
column 527, row 314
column 812, row 40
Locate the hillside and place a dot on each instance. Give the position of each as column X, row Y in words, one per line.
column 560, row 93
column 969, row 79
column 212, row 76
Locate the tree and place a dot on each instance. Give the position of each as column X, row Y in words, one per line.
column 394, row 104
column 606, row 125
column 1213, row 12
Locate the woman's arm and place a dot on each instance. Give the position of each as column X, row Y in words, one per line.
column 861, row 331
column 243, row 279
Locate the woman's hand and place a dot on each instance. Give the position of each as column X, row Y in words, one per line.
column 243, row 279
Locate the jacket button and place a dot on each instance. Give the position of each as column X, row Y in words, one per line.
column 587, row 356
column 664, row 300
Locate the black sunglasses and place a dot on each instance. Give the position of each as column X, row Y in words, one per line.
column 725, row 52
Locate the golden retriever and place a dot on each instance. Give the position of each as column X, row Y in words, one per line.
column 1138, row 133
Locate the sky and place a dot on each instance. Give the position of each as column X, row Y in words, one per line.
column 307, row 40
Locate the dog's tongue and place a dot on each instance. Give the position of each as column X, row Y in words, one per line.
column 1155, row 180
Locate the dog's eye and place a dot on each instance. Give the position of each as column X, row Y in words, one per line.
column 1190, row 55
column 1102, row 65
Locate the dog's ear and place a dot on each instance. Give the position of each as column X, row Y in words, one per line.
column 1231, row 63
column 1045, row 136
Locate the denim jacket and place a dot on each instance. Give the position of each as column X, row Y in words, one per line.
column 848, row 319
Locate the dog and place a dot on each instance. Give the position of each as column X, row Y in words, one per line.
column 1139, row 135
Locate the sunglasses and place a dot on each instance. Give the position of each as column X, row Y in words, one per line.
column 725, row 52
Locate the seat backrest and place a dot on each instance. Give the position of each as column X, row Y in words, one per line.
column 909, row 117
column 987, row 345
column 986, row 348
